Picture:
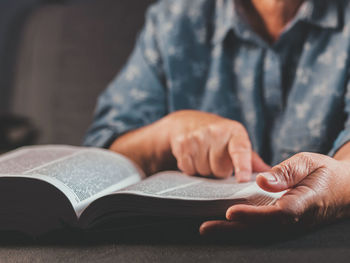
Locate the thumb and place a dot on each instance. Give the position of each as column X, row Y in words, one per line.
column 288, row 173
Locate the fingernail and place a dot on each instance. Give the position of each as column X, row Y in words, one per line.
column 269, row 177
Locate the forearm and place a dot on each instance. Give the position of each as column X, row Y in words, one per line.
column 148, row 147
column 343, row 154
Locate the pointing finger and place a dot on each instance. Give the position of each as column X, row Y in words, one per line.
column 241, row 155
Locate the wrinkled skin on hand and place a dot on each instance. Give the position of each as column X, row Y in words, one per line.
column 318, row 192
column 208, row 144
column 196, row 143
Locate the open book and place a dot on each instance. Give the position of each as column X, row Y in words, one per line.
column 45, row 188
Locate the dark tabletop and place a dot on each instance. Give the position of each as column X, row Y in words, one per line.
column 329, row 244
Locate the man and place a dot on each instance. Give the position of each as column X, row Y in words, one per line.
column 214, row 87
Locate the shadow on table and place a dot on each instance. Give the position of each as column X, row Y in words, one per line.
column 186, row 233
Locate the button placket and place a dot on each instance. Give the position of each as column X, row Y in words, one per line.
column 272, row 79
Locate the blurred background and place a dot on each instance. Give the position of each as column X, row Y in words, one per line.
column 56, row 56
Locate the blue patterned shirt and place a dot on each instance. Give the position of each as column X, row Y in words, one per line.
column 292, row 96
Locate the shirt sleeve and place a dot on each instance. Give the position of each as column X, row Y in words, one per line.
column 344, row 135
column 137, row 96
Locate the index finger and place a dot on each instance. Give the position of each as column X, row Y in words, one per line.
column 240, row 151
column 255, row 214
column 246, row 218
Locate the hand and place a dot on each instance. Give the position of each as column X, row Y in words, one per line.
column 200, row 143
column 207, row 144
column 319, row 192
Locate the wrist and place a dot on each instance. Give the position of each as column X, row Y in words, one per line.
column 342, row 178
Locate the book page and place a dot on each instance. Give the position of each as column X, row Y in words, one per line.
column 83, row 174
column 175, row 185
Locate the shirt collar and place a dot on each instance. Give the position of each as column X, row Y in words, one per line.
column 322, row 13
column 225, row 19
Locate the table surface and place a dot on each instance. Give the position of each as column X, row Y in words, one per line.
column 329, row 244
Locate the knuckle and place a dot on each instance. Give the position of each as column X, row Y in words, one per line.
column 238, row 126
column 180, row 140
column 304, row 162
column 282, row 172
column 177, row 145
column 304, row 156
column 215, row 131
column 185, row 144
column 197, row 136
column 240, row 129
